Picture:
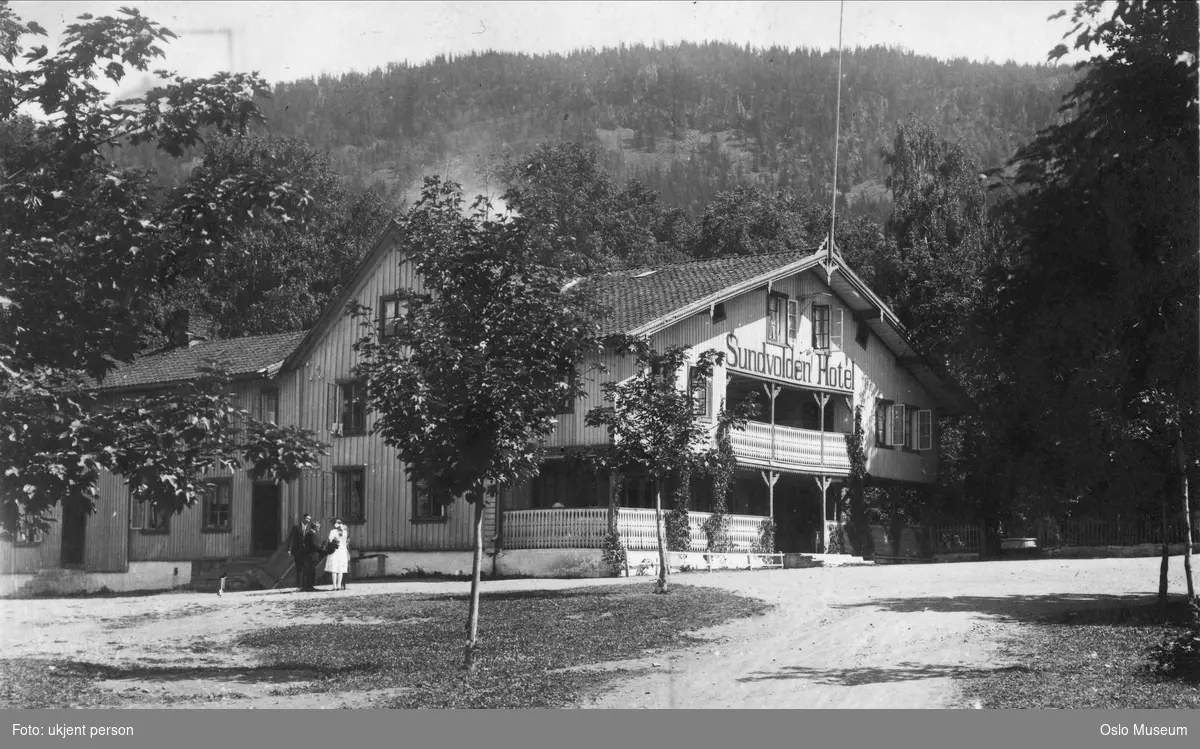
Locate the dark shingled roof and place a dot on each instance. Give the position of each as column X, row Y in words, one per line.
column 635, row 301
column 241, row 356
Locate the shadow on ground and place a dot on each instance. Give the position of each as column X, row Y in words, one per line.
column 1060, row 608
column 275, row 674
column 853, row 677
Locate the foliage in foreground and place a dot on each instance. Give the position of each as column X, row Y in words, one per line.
column 1099, row 660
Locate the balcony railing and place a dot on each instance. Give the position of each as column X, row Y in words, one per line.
column 791, row 447
column 584, row 528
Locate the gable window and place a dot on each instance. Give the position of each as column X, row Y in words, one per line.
column 149, row 516
column 777, row 323
column 925, row 429
column 909, row 422
column 348, row 408
column 700, row 390
column 898, row 425
column 391, row 309
column 883, row 419
column 820, row 323
column 268, row 406
column 217, row 505
column 347, row 500
column 426, row 505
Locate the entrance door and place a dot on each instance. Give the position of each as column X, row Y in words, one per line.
column 264, row 518
column 74, row 536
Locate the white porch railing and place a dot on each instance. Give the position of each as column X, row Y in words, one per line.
column 806, row 448
column 585, row 529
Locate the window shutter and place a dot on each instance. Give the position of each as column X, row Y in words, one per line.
column 793, row 320
column 897, row 425
column 925, row 429
column 835, row 325
column 137, row 514
column 334, row 412
column 330, row 483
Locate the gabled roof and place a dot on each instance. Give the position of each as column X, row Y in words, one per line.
column 647, row 300
column 242, row 357
column 638, row 298
column 335, row 309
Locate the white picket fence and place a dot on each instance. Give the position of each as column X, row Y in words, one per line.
column 584, row 528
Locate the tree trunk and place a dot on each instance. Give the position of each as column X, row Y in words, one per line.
column 662, row 542
column 1166, row 555
column 476, row 568
column 1181, row 453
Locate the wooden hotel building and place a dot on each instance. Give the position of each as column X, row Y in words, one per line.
column 800, row 331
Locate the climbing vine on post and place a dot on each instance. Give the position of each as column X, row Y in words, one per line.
column 858, row 526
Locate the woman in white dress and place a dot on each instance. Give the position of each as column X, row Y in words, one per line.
column 338, row 562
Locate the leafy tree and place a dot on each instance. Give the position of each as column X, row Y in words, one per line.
column 1101, row 314
column 652, row 424
column 468, row 387
column 85, row 245
column 580, row 220
column 278, row 274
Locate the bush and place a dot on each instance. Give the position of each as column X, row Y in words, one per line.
column 837, row 541
column 1180, row 657
column 766, row 537
column 613, row 553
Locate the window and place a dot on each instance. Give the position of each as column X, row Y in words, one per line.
column 862, row 334
column 216, row 504
column 777, row 305
column 835, row 328
column 898, row 425
column 347, row 498
column 348, row 406
column 391, row 309
column 268, row 406
column 883, row 415
column 566, row 378
column 820, row 339
column 700, row 390
column 925, row 429
column 149, row 516
column 718, row 313
column 793, row 320
column 911, row 415
column 427, row 506
column 27, row 534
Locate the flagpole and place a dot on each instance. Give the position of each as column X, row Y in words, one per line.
column 837, row 127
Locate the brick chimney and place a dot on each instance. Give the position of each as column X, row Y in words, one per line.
column 188, row 327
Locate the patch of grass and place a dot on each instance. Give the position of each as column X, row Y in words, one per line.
column 1097, row 659
column 526, row 639
column 30, row 683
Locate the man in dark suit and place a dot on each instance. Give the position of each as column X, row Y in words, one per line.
column 314, row 549
column 296, row 548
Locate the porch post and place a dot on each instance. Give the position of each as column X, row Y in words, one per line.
column 770, row 477
column 822, row 399
column 823, row 483
column 772, row 391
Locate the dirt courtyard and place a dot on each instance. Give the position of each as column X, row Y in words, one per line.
column 841, row 637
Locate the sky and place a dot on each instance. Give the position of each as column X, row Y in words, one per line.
column 291, row 40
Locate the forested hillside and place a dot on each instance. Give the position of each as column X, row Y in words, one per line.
column 687, row 120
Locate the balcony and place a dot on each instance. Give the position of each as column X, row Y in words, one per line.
column 791, row 448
